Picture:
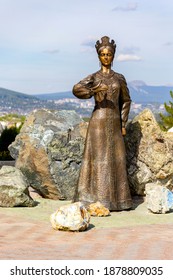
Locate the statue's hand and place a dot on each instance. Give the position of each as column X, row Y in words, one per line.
column 100, row 92
column 123, row 130
column 99, row 88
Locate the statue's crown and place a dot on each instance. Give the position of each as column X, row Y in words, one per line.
column 105, row 43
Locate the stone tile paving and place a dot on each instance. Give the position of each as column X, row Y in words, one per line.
column 26, row 233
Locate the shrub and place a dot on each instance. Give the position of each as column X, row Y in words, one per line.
column 167, row 120
column 8, row 135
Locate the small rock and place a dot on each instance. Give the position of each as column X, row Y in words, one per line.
column 14, row 188
column 97, row 209
column 159, row 199
column 170, row 130
column 71, row 217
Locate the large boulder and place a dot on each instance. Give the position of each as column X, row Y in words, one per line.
column 48, row 151
column 14, row 188
column 149, row 153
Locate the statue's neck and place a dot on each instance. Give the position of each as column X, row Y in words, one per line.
column 106, row 70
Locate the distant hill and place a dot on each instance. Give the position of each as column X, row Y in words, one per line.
column 139, row 91
column 14, row 95
column 17, row 102
column 142, row 93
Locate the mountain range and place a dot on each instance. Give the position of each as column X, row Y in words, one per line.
column 139, row 92
column 143, row 93
column 17, row 102
column 14, row 95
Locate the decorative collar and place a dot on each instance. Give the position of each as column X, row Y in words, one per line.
column 106, row 75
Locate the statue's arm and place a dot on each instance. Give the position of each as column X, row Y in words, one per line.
column 83, row 88
column 125, row 101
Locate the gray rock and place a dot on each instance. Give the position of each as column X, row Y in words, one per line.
column 14, row 188
column 48, row 150
column 7, row 162
column 72, row 217
column 158, row 198
column 149, row 153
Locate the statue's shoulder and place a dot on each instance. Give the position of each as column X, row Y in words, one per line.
column 95, row 73
column 119, row 76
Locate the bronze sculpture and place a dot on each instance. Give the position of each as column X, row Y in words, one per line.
column 103, row 175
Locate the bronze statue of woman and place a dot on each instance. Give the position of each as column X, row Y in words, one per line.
column 103, row 174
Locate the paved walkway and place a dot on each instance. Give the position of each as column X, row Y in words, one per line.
column 26, row 233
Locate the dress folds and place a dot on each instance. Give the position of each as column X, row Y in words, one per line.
column 103, row 175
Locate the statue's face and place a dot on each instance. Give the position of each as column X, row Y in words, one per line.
column 106, row 57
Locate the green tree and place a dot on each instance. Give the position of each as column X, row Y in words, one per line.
column 167, row 120
column 8, row 135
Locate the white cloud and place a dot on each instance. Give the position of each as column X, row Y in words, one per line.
column 131, row 50
column 88, row 45
column 128, row 8
column 90, row 42
column 53, row 51
column 128, row 57
column 168, row 44
column 87, row 49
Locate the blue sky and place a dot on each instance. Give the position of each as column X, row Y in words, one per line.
column 48, row 45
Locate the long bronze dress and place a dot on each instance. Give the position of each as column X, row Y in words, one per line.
column 103, row 175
